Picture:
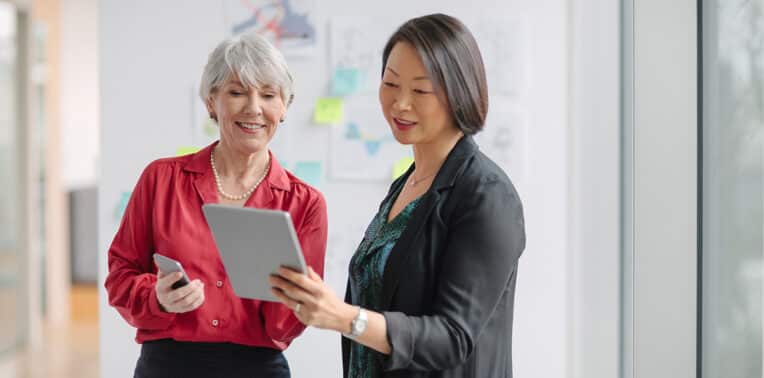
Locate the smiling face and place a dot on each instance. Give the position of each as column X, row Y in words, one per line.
column 416, row 113
column 247, row 116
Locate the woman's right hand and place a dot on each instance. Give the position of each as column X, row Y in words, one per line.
column 182, row 299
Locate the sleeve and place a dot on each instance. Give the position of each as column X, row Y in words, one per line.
column 484, row 243
column 280, row 323
column 130, row 281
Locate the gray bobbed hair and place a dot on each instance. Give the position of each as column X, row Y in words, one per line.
column 253, row 59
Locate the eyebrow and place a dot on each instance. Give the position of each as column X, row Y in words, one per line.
column 416, row 78
column 266, row 87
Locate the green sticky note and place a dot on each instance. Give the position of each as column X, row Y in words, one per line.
column 401, row 166
column 210, row 127
column 329, row 110
column 185, row 150
column 308, row 171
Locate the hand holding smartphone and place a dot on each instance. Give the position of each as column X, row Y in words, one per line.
column 168, row 266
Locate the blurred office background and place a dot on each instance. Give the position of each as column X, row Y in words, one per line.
column 634, row 131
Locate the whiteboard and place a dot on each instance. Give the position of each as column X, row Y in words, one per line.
column 150, row 109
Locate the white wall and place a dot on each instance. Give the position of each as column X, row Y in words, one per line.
column 146, row 75
column 79, row 92
column 594, row 173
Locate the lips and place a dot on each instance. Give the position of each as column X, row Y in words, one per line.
column 403, row 124
column 250, row 127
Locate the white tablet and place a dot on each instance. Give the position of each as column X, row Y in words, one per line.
column 253, row 244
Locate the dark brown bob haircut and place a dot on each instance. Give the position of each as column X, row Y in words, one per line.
column 453, row 61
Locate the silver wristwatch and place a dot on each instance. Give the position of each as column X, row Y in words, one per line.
column 358, row 325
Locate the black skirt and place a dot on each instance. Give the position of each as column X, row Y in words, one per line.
column 170, row 358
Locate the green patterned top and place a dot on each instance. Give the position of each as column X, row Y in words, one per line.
column 367, row 268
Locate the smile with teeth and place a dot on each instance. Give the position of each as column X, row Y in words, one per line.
column 250, row 126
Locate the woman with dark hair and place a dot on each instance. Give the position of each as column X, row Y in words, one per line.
column 431, row 286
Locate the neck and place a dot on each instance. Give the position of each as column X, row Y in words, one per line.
column 428, row 157
column 239, row 165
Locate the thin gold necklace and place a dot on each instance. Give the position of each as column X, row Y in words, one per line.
column 245, row 194
column 414, row 181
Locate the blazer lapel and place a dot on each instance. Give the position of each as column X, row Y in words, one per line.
column 452, row 168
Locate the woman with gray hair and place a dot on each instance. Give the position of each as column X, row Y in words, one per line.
column 203, row 329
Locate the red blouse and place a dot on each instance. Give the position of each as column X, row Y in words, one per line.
column 164, row 215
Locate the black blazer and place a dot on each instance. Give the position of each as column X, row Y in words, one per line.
column 449, row 283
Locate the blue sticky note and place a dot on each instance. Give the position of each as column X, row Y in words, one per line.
column 346, row 81
column 308, row 171
column 372, row 146
column 352, row 131
column 123, row 200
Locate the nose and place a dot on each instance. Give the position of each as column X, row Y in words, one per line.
column 253, row 105
column 402, row 102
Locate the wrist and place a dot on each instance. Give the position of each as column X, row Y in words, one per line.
column 345, row 318
column 358, row 324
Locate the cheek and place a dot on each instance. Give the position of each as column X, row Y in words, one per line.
column 433, row 111
column 385, row 100
column 228, row 107
column 275, row 112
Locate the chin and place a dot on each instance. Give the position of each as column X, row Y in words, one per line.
column 403, row 139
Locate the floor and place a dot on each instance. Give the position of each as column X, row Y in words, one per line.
column 68, row 351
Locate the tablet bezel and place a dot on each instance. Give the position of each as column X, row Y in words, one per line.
column 248, row 263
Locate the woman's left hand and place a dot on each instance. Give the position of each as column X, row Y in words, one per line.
column 313, row 302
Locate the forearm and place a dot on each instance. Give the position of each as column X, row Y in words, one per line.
column 135, row 299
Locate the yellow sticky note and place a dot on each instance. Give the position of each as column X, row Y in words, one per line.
column 185, row 150
column 329, row 110
column 401, row 166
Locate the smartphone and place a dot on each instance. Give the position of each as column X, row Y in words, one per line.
column 168, row 265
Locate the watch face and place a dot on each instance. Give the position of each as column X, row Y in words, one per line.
column 358, row 327
column 359, row 323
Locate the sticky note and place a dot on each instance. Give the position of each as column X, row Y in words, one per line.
column 401, row 166
column 308, row 171
column 352, row 131
column 372, row 146
column 185, row 150
column 329, row 110
column 210, row 127
column 124, row 198
column 346, row 81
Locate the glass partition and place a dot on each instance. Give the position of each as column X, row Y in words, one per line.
column 732, row 188
column 9, row 199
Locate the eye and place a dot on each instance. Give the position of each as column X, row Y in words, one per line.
column 234, row 92
column 269, row 95
column 390, row 84
column 421, row 91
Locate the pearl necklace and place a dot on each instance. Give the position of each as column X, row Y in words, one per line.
column 245, row 194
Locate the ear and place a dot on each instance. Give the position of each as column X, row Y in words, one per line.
column 283, row 115
column 210, row 104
